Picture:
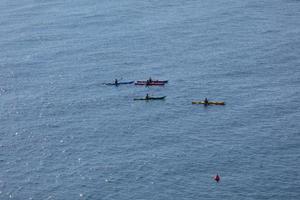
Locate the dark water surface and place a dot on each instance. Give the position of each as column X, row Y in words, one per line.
column 64, row 135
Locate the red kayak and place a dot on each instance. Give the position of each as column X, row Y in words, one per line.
column 156, row 81
column 149, row 84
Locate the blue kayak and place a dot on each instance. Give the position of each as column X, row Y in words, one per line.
column 151, row 98
column 119, row 83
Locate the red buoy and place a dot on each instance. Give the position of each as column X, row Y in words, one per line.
column 217, row 178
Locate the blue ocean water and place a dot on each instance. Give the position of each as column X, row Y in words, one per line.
column 64, row 135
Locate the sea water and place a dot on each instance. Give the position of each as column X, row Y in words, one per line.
column 65, row 135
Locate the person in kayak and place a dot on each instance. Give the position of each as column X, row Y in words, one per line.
column 217, row 178
column 147, row 96
column 206, row 101
column 116, row 81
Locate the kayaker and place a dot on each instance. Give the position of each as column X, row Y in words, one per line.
column 147, row 96
column 147, row 83
column 217, row 178
column 116, row 81
column 206, row 101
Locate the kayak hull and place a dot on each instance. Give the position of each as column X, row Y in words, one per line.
column 150, row 98
column 150, row 84
column 221, row 103
column 120, row 83
column 155, row 81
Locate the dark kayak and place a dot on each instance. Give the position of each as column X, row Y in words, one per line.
column 120, row 83
column 151, row 98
